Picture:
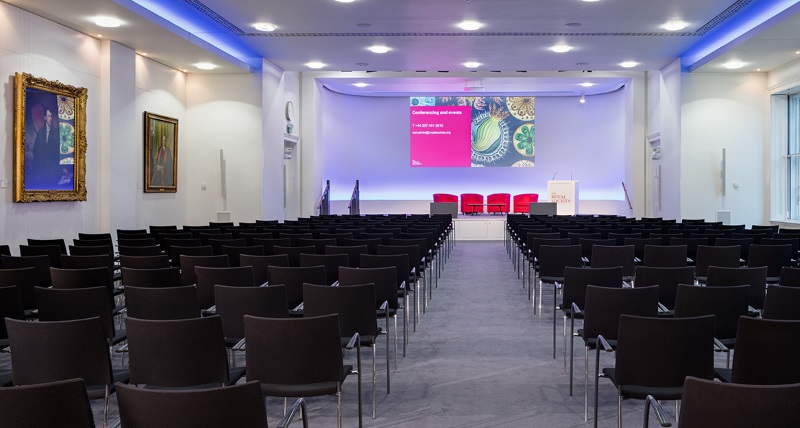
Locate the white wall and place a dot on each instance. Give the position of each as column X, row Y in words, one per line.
column 34, row 45
column 671, row 146
column 223, row 112
column 367, row 138
column 725, row 110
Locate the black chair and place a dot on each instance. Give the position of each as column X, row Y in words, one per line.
column 150, row 250
column 233, row 303
column 137, row 242
column 233, row 253
column 68, row 349
column 294, row 278
column 766, row 353
column 162, row 303
column 179, row 353
column 270, row 243
column 332, row 262
column 353, row 252
column 355, row 307
column 667, row 279
column 294, row 253
column 665, row 255
column 401, row 265
column 25, row 279
column 10, row 307
column 755, row 277
column 243, row 407
column 59, row 242
column 176, row 251
column 144, row 262
column 552, row 261
column 188, row 263
column 299, row 357
column 639, row 244
column 40, row 263
column 707, row 403
column 710, row 255
column 156, row 277
column 261, row 265
column 654, row 356
column 743, row 242
column 77, row 303
column 61, row 403
column 781, row 303
column 727, row 304
column 604, row 256
column 576, row 280
column 208, row 277
column 774, row 257
column 54, row 252
column 601, row 312
column 318, row 244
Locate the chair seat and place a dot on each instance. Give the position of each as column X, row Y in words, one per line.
column 641, row 392
column 307, row 390
column 99, row 391
column 723, row 374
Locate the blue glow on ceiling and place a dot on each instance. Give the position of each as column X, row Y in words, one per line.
column 736, row 30
column 197, row 26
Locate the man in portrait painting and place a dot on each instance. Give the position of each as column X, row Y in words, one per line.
column 47, row 152
column 162, row 165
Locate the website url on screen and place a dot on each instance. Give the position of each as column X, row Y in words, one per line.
column 430, row 132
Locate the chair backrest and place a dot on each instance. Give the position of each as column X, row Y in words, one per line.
column 665, row 255
column 727, row 304
column 576, row 280
column 89, row 261
column 156, row 277
column 774, row 257
column 261, row 263
column 294, row 278
column 10, row 306
column 176, row 251
column 176, row 353
column 40, row 263
column 412, row 251
column 370, row 243
column 75, row 303
column 399, row 261
column 270, row 243
column 295, row 238
column 711, row 255
column 755, row 277
column 25, row 279
column 62, row 403
column 353, row 252
column 667, row 280
column 217, row 244
column 294, row 351
column 162, row 303
column 188, row 263
column 499, row 198
column 604, row 305
column 604, row 256
column 233, row 253
column 522, row 202
column 52, row 251
column 318, row 243
column 142, row 407
column 553, row 260
column 47, row 351
column 355, row 305
column 149, row 250
column 233, row 303
column 82, row 278
column 587, row 246
column 137, row 242
column 332, row 262
column 59, row 242
column 708, row 403
column 663, row 351
column 384, row 278
column 294, row 252
column 471, row 198
column 145, row 262
column 445, row 197
column 640, row 243
column 744, row 244
column 781, row 303
column 208, row 277
column 766, row 352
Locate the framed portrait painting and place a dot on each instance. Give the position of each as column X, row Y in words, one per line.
column 160, row 153
column 49, row 140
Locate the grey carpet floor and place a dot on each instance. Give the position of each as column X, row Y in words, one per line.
column 479, row 358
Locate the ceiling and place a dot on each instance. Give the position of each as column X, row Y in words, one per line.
column 422, row 36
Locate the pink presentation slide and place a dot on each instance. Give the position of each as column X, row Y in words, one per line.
column 441, row 136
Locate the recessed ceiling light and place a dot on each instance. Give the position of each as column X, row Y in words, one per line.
column 379, row 49
column 472, row 64
column 675, row 25
column 733, row 65
column 143, row 53
column 315, row 64
column 469, row 25
column 265, row 26
column 758, row 69
column 628, row 64
column 590, row 1
column 205, row 66
column 797, row 52
column 345, row 1
column 99, row 36
column 361, row 85
column 561, row 48
column 185, row 70
column 587, row 84
column 107, row 21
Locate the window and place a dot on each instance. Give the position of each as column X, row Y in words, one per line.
column 793, row 153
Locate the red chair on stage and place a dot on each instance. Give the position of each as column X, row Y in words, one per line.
column 467, row 199
column 445, row 197
column 498, row 198
column 522, row 202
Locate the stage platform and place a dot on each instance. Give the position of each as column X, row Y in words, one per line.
column 481, row 227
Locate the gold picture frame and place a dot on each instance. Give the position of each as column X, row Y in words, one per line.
column 49, row 140
column 160, row 153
